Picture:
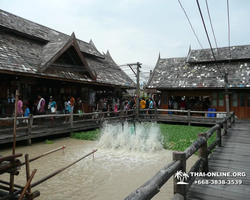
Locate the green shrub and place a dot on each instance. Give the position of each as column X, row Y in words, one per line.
column 88, row 135
column 179, row 137
column 49, row 142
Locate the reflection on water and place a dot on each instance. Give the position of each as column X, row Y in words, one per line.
column 113, row 173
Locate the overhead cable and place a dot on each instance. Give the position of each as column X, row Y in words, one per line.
column 190, row 24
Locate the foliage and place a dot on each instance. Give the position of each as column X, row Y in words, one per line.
column 88, row 135
column 175, row 137
column 49, row 142
column 179, row 137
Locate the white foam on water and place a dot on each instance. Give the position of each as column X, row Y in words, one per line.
column 145, row 137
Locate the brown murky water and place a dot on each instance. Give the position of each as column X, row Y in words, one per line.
column 112, row 174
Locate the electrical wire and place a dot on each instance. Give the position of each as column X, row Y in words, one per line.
column 197, row 1
column 212, row 29
column 190, row 24
column 228, row 24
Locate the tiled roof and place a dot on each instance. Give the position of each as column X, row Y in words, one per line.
column 176, row 73
column 19, row 53
column 21, row 25
column 221, row 54
column 106, row 70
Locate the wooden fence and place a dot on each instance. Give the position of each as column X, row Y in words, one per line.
column 84, row 121
column 152, row 186
column 74, row 119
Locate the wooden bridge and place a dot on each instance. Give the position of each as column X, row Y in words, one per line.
column 219, row 173
column 87, row 121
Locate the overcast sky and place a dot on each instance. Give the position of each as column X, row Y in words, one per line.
column 137, row 30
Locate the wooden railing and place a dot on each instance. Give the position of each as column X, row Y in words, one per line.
column 184, row 116
column 152, row 186
column 74, row 119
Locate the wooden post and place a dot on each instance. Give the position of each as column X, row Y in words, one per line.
column 203, row 152
column 180, row 189
column 155, row 113
column 225, row 126
column 27, row 162
column 233, row 117
column 71, row 119
column 189, row 123
column 218, row 133
column 30, row 124
column 15, row 125
column 229, row 121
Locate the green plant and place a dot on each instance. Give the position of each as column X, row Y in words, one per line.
column 49, row 142
column 88, row 135
column 179, row 137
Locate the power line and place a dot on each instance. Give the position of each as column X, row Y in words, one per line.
column 212, row 28
column 207, row 35
column 228, row 24
column 190, row 23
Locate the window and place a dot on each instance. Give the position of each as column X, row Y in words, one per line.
column 214, row 99
column 235, row 99
column 221, row 99
column 248, row 100
column 242, row 99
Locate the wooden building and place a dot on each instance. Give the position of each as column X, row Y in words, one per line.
column 39, row 60
column 199, row 76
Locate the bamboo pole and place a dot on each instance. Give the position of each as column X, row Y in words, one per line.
column 60, row 170
column 15, row 124
column 7, row 183
column 27, row 184
column 8, row 166
column 44, row 154
column 10, row 157
column 27, row 170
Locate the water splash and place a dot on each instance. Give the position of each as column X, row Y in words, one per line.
column 146, row 137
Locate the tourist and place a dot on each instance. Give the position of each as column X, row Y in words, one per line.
column 79, row 106
column 72, row 103
column 151, row 107
column 104, row 106
column 147, row 105
column 142, row 105
column 52, row 107
column 116, row 109
column 67, row 109
column 19, row 110
column 99, row 105
column 26, row 113
column 132, row 104
column 40, row 108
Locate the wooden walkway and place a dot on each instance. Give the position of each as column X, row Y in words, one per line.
column 232, row 157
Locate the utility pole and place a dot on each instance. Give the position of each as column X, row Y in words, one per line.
column 226, row 93
column 137, row 74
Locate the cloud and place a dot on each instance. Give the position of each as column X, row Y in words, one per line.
column 138, row 30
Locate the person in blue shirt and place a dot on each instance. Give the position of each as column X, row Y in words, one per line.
column 26, row 113
column 151, row 106
column 52, row 108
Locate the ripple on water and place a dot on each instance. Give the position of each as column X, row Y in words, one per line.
column 118, row 168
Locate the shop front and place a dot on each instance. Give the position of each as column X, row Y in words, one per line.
column 30, row 87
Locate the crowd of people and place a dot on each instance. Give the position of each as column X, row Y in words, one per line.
column 113, row 105
column 106, row 106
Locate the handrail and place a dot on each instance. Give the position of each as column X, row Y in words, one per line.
column 153, row 185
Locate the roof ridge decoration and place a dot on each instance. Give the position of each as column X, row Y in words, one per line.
column 108, row 55
column 44, row 64
column 92, row 43
column 153, row 73
column 189, row 52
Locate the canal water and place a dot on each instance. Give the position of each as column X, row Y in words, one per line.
column 126, row 158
